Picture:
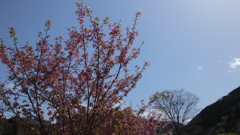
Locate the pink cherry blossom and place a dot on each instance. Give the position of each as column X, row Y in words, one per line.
column 77, row 89
column 138, row 13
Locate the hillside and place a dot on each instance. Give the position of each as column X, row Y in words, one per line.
column 223, row 116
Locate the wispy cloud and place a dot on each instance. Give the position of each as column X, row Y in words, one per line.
column 155, row 112
column 150, row 112
column 234, row 64
column 199, row 67
column 140, row 8
column 120, row 104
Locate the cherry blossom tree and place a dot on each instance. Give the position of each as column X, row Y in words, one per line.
column 75, row 84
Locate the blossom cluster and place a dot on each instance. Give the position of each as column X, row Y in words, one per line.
column 76, row 82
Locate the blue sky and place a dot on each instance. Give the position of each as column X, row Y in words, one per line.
column 191, row 44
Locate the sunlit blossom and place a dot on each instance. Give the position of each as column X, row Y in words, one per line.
column 78, row 89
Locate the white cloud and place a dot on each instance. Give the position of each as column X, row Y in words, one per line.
column 235, row 63
column 187, row 121
column 145, row 114
column 140, row 8
column 120, row 104
column 199, row 67
column 154, row 112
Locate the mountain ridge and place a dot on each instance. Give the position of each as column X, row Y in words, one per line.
column 221, row 117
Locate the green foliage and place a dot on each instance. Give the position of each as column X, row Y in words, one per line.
column 8, row 126
column 222, row 117
column 228, row 134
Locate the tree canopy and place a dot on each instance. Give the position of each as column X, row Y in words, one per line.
column 178, row 105
column 75, row 83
